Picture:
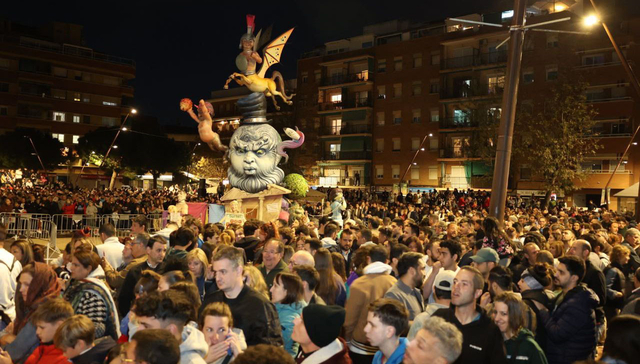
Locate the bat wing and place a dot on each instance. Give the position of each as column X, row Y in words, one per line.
column 273, row 52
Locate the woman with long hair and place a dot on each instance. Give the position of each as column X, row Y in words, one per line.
column 615, row 280
column 511, row 317
column 497, row 239
column 90, row 296
column 198, row 263
column 22, row 251
column 255, row 279
column 287, row 295
column 533, row 286
column 330, row 286
column 37, row 283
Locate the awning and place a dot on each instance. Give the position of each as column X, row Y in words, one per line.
column 631, row 191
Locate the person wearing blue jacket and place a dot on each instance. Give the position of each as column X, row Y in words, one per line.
column 571, row 326
column 287, row 294
column 387, row 319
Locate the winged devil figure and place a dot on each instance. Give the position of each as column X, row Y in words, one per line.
column 249, row 58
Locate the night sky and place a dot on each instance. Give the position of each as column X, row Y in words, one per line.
column 188, row 48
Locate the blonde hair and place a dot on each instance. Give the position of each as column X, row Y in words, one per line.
column 73, row 329
column 198, row 254
column 225, row 239
column 231, row 233
column 255, row 280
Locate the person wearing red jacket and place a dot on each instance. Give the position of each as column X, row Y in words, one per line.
column 47, row 318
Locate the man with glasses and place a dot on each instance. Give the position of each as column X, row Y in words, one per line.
column 272, row 262
column 138, row 246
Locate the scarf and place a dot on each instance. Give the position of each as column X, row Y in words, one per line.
column 43, row 286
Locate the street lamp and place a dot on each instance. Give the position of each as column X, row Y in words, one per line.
column 113, row 146
column 413, row 160
column 591, row 20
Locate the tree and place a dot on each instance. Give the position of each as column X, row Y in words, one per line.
column 208, row 167
column 556, row 136
column 16, row 150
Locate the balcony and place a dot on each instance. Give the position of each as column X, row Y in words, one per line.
column 346, row 129
column 455, row 152
column 478, row 60
column 458, row 122
column 475, row 90
column 366, row 155
column 342, row 78
column 344, row 105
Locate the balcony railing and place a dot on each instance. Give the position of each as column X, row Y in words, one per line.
column 475, row 90
column 458, row 122
column 347, row 104
column 347, row 155
column 341, row 78
column 347, row 129
column 481, row 59
column 455, row 152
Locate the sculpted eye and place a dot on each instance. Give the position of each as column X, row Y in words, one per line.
column 240, row 150
column 260, row 152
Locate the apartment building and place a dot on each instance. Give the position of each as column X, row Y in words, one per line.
column 50, row 80
column 432, row 84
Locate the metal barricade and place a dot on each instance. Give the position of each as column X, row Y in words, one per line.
column 23, row 224
column 156, row 222
column 68, row 223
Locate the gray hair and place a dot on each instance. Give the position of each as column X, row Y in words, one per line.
column 632, row 231
column 449, row 337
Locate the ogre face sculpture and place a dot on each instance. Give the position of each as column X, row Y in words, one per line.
column 254, row 159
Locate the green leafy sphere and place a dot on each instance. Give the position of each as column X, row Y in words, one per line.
column 297, row 184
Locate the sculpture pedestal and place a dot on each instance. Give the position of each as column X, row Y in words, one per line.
column 264, row 206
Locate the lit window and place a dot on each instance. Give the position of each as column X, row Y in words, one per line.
column 395, row 171
column 416, row 116
column 75, row 139
column 397, row 63
column 379, row 172
column 76, row 97
column 397, row 117
column 382, row 65
column 507, row 14
column 435, row 115
column 382, row 92
column 396, row 145
column 58, row 116
column 76, row 119
column 415, row 172
column 336, row 98
column 86, row 98
column 433, row 173
column 60, row 137
column 109, row 103
column 397, row 90
column 415, row 144
column 417, row 60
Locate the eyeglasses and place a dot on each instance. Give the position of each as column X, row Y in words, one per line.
column 273, row 252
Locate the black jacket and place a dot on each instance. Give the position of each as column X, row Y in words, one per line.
column 546, row 298
column 594, row 279
column 250, row 244
column 571, row 327
column 126, row 294
column 253, row 313
column 482, row 341
column 96, row 354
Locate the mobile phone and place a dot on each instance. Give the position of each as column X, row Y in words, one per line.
column 229, row 351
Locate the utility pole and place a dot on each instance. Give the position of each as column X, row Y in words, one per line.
column 508, row 116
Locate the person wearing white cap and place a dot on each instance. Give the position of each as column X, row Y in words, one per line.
column 442, row 295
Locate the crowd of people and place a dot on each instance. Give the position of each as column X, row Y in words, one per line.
column 416, row 278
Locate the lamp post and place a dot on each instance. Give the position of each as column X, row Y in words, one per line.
column 413, row 160
column 633, row 79
column 37, row 154
column 113, row 146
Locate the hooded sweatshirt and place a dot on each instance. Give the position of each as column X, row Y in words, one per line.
column 396, row 357
column 193, row 348
column 523, row 349
column 288, row 313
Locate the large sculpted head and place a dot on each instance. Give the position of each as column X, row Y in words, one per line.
column 254, row 159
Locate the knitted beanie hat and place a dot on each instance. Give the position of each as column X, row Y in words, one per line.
column 323, row 323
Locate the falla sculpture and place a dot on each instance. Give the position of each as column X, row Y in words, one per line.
column 255, row 148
